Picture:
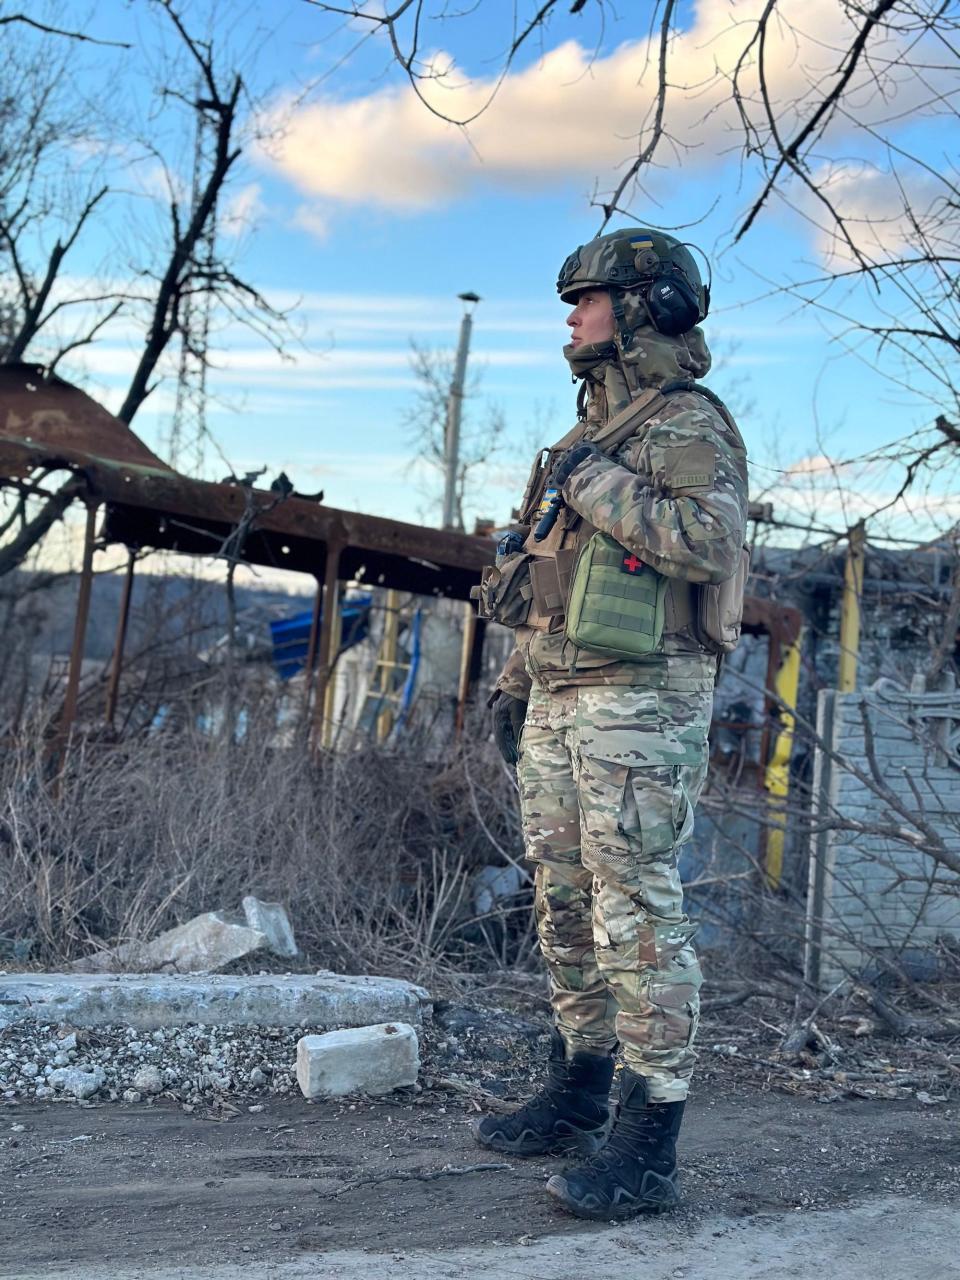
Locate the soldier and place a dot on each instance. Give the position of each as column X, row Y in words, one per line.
column 624, row 582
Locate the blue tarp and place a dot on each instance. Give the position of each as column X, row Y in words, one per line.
column 410, row 684
column 291, row 636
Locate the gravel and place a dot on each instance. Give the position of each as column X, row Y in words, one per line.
column 465, row 1048
column 188, row 1063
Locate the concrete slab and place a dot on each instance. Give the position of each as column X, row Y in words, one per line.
column 271, row 919
column 374, row 1060
column 151, row 1000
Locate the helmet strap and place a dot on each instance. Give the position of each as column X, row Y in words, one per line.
column 626, row 334
column 582, row 401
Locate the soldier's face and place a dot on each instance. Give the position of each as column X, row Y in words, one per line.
column 591, row 320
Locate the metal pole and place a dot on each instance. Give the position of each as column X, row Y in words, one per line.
column 312, row 648
column 776, row 779
column 454, row 409
column 466, row 662
column 327, row 654
column 120, row 643
column 850, row 609
column 388, row 665
column 330, row 691
column 79, row 627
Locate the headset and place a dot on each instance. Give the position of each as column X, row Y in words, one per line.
column 672, row 303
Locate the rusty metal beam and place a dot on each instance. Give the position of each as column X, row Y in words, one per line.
column 376, row 551
column 116, row 666
column 761, row 615
column 312, row 650
column 326, row 655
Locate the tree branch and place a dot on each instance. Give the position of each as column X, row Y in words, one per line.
column 60, row 31
column 15, row 552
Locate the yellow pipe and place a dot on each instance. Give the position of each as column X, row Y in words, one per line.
column 850, row 609
column 388, row 664
column 776, row 779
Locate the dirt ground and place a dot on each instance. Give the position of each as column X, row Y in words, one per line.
column 96, row 1191
column 786, row 1168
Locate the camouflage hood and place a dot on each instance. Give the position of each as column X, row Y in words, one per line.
column 615, row 375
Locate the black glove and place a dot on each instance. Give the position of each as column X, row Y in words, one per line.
column 568, row 462
column 509, row 714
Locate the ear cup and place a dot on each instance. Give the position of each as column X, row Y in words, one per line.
column 672, row 305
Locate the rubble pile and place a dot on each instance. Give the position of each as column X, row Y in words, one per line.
column 187, row 1064
column 465, row 1051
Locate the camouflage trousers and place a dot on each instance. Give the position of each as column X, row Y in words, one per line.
column 609, row 776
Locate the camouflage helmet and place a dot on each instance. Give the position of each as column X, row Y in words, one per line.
column 639, row 265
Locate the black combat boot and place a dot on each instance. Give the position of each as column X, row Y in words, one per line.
column 636, row 1170
column 570, row 1113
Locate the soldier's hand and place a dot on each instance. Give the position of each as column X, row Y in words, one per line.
column 509, row 714
column 568, row 462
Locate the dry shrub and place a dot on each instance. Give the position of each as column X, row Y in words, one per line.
column 371, row 848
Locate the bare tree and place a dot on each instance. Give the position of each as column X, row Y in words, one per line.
column 827, row 127
column 82, row 37
column 410, row 27
column 481, row 433
column 35, row 127
column 44, row 204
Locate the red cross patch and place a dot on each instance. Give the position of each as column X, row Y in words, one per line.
column 631, row 563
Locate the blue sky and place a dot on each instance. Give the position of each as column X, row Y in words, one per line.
column 366, row 217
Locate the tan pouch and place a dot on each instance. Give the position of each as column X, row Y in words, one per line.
column 719, row 612
column 566, row 561
column 505, row 591
column 548, row 597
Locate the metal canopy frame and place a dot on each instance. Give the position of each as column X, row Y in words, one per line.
column 46, row 422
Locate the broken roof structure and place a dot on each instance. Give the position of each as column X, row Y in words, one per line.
column 148, row 505
column 46, row 422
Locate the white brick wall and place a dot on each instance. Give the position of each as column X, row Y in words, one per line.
column 857, row 910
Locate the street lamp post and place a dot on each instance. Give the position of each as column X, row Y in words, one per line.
column 454, row 409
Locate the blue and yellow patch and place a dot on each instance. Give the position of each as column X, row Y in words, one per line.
column 545, row 501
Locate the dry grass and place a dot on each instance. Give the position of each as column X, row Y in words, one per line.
column 372, row 849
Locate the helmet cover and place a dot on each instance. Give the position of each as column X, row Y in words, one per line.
column 630, row 261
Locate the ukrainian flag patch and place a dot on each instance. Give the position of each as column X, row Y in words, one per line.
column 545, row 501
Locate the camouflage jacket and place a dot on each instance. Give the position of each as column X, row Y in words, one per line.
column 674, row 494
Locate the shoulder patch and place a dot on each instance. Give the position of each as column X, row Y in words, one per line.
column 690, row 466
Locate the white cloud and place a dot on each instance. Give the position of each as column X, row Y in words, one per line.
column 884, row 216
column 309, row 218
column 569, row 117
column 255, row 369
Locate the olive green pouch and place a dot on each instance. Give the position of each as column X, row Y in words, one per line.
column 616, row 601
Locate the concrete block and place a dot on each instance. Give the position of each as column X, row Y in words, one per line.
column 201, row 945
column 148, row 1080
column 374, row 1059
column 271, row 919
column 77, row 1081
column 152, row 1000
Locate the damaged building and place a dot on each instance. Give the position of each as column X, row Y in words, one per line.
column 836, row 739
